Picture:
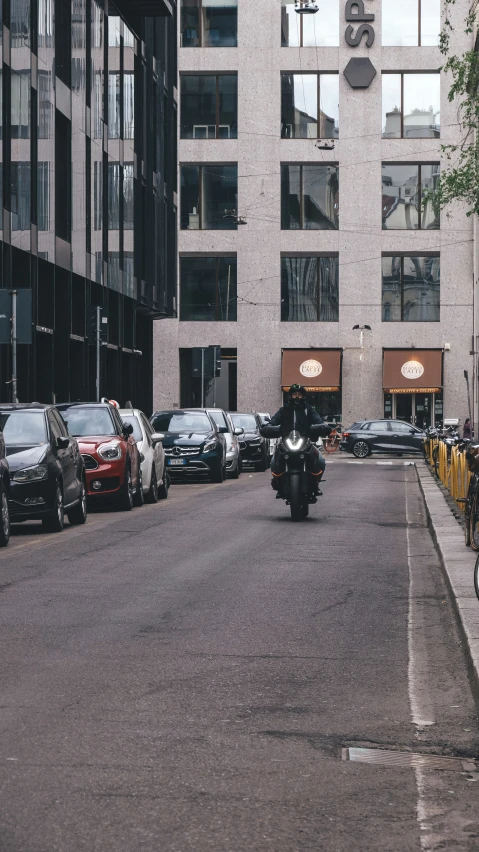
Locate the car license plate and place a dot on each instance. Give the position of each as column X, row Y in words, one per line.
column 176, row 461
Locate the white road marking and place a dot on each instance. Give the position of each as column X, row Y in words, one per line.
column 384, row 462
column 422, row 708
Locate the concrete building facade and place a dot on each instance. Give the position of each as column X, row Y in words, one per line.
column 361, row 265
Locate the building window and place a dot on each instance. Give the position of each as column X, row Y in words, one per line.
column 411, row 23
column 209, row 106
column 304, row 98
column 209, row 197
column 309, row 289
column 404, row 186
column 20, row 91
column 209, row 23
column 309, row 198
column 113, row 197
column 129, row 106
column 20, row 23
column 320, row 30
column 43, row 195
column 114, row 94
column 208, row 289
column 411, row 105
column 411, row 288
column 20, row 196
column 128, row 197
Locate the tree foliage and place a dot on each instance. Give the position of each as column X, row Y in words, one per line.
column 459, row 179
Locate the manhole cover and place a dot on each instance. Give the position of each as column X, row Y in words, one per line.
column 383, row 757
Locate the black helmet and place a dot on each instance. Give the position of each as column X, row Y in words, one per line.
column 297, row 389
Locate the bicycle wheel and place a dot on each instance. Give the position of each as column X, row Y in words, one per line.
column 331, row 444
column 476, row 578
column 467, row 524
column 474, row 523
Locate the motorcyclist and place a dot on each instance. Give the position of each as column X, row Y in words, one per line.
column 298, row 414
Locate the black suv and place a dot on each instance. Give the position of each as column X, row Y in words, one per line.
column 47, row 476
column 254, row 448
column 192, row 443
column 382, row 436
column 4, row 490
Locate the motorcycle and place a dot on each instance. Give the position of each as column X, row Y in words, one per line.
column 296, row 486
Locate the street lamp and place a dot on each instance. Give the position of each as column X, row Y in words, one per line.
column 362, row 329
column 306, row 7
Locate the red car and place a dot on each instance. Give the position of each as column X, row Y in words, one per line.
column 110, row 453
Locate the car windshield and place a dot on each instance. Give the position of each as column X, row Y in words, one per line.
column 181, row 421
column 218, row 418
column 133, row 421
column 82, row 422
column 245, row 421
column 23, row 428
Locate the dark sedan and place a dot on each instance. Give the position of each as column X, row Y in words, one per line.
column 382, row 436
column 4, row 490
column 192, row 443
column 254, row 448
column 47, row 475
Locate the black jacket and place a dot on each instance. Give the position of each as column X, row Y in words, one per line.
column 299, row 417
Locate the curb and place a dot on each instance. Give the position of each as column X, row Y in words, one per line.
column 457, row 562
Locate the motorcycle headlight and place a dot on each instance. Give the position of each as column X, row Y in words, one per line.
column 31, row 474
column 110, row 452
column 295, row 442
column 210, row 445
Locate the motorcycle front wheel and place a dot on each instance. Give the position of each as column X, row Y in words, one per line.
column 296, row 498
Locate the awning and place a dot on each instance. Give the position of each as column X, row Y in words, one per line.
column 316, row 369
column 412, row 370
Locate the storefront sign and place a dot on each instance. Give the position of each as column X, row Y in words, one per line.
column 355, row 13
column 311, row 368
column 412, row 370
column 412, row 390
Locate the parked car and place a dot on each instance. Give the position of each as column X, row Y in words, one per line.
column 232, row 435
column 272, row 441
column 381, row 436
column 154, row 475
column 193, row 445
column 47, row 474
column 110, row 454
column 4, row 491
column 254, row 448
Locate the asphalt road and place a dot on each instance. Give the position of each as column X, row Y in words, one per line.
column 189, row 677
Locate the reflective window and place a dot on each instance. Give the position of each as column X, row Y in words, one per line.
column 209, row 23
column 319, row 30
column 404, row 206
column 129, row 106
column 128, row 197
column 20, row 196
column 208, row 289
column 411, row 23
column 43, row 196
column 304, row 98
column 20, row 92
column 411, row 289
column 309, row 289
column 209, row 106
column 45, row 23
column 113, row 196
column 20, row 23
column 309, row 197
column 209, row 197
column 411, row 106
column 114, row 126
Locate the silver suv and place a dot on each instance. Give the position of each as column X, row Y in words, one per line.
column 233, row 455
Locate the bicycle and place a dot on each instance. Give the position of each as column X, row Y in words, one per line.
column 471, row 501
column 331, row 443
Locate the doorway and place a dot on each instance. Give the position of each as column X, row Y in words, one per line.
column 420, row 409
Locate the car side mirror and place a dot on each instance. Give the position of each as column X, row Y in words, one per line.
column 223, row 429
column 157, row 438
column 63, row 443
column 239, row 431
column 412, row 431
column 127, row 429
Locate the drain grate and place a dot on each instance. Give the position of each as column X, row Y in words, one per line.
column 384, row 757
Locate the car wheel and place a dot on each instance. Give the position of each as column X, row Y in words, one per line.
column 152, row 496
column 361, row 450
column 260, row 466
column 139, row 497
column 218, row 475
column 126, row 500
column 163, row 489
column 55, row 522
column 79, row 514
column 237, row 470
column 4, row 518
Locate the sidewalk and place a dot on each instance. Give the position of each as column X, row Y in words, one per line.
column 458, row 564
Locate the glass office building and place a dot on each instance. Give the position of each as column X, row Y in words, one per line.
column 88, row 189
